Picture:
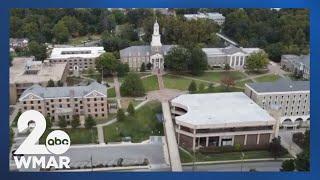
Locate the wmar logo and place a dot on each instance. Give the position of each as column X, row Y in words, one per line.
column 57, row 142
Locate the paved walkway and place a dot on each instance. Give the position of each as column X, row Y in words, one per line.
column 171, row 138
column 286, row 142
column 117, row 90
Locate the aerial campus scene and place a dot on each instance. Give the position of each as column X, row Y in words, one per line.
column 165, row 89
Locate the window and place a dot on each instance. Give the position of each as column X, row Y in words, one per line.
column 51, row 100
column 38, row 102
column 31, row 102
column 68, row 105
column 39, row 107
column 24, row 102
column 60, row 100
column 95, row 99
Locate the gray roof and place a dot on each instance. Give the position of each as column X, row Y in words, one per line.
column 142, row 50
column 304, row 59
column 231, row 50
column 70, row 91
column 282, row 85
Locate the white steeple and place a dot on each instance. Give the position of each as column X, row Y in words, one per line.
column 156, row 37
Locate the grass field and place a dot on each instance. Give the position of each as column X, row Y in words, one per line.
column 268, row 78
column 217, row 76
column 242, row 83
column 150, row 83
column 180, row 83
column 188, row 157
column 139, row 127
column 77, row 135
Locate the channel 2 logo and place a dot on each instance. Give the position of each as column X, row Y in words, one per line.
column 57, row 143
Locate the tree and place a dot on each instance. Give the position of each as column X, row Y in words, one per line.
column 62, row 122
column 227, row 66
column 11, row 136
column 59, row 83
column 89, row 122
column 149, row 66
column 108, row 63
column 131, row 109
column 50, row 83
column 73, row 25
column 39, row 51
column 288, row 165
column 48, row 122
column 275, row 147
column 143, row 67
column 120, row 115
column 257, row 61
column 177, row 59
column 75, row 122
column 302, row 161
column 198, row 61
column 61, row 32
column 132, row 86
column 122, row 69
column 227, row 82
column 192, row 87
column 201, row 87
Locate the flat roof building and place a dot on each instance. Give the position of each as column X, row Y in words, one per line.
column 221, row 119
column 78, row 58
column 25, row 72
column 293, row 97
column 215, row 16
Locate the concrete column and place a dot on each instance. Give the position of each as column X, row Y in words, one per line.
column 231, row 58
column 245, row 139
column 258, row 138
column 178, row 135
column 207, row 141
column 219, row 141
column 193, row 143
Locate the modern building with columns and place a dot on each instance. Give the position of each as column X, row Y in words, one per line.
column 221, row 119
column 293, row 97
column 154, row 53
column 232, row 55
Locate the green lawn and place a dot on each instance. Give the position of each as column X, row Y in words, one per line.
column 268, row 78
column 200, row 157
column 175, row 82
column 242, row 83
column 217, row 76
column 77, row 136
column 139, row 127
column 150, row 83
column 111, row 92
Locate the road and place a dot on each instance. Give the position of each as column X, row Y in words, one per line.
column 258, row 166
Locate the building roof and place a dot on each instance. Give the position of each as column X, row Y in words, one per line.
column 220, row 110
column 136, row 51
column 282, row 85
column 45, row 72
column 210, row 52
column 65, row 91
column 304, row 59
column 76, row 52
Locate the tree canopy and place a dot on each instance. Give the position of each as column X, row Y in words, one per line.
column 257, row 61
column 132, row 86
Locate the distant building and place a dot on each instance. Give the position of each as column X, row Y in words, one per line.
column 221, row 119
column 67, row 101
column 293, row 97
column 77, row 58
column 216, row 17
column 296, row 64
column 232, row 55
column 25, row 72
column 18, row 43
column 166, row 11
column 154, row 53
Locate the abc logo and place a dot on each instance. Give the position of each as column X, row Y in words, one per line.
column 58, row 142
